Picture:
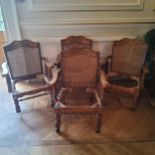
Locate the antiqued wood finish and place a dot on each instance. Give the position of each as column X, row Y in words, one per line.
column 79, row 70
column 76, row 42
column 125, row 73
column 24, row 62
column 23, row 50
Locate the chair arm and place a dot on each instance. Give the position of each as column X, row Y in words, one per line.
column 145, row 69
column 46, row 62
column 50, row 65
column 6, row 75
column 48, row 69
column 5, row 70
column 55, row 77
column 103, row 80
column 106, row 65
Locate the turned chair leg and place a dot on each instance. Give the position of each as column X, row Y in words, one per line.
column 104, row 99
column 18, row 110
column 8, row 81
column 58, row 122
column 119, row 99
column 135, row 103
column 98, row 122
column 52, row 98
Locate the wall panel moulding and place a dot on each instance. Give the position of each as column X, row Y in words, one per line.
column 85, row 5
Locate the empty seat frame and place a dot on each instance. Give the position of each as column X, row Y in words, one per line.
column 79, row 69
column 126, row 70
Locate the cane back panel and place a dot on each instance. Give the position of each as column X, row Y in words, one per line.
column 24, row 59
column 128, row 56
column 80, row 68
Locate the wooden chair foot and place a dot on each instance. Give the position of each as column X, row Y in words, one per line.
column 98, row 123
column 57, row 130
column 52, row 104
column 18, row 110
column 58, row 122
column 98, row 130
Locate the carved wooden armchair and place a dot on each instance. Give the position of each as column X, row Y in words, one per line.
column 70, row 42
column 24, row 62
column 79, row 69
column 126, row 68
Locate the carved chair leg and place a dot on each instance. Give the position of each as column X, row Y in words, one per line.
column 58, row 121
column 98, row 122
column 119, row 100
column 135, row 103
column 18, row 110
column 104, row 99
column 52, row 97
column 8, row 81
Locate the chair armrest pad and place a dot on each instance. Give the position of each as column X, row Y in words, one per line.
column 103, row 80
column 55, row 74
column 47, row 63
column 5, row 70
column 105, row 65
column 145, row 69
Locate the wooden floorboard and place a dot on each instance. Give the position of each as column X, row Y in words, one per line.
column 32, row 132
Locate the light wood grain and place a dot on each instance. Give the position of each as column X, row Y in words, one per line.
column 33, row 131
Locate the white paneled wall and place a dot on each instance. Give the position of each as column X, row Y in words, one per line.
column 104, row 21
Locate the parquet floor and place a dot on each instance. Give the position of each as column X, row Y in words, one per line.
column 32, row 132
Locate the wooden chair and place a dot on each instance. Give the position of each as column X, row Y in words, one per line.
column 24, row 62
column 126, row 68
column 79, row 69
column 70, row 42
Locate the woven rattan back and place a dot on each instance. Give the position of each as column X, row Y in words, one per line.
column 76, row 42
column 23, row 58
column 80, row 67
column 128, row 57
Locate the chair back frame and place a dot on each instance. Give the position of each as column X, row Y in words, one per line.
column 127, row 68
column 23, row 44
column 76, row 42
column 92, row 58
